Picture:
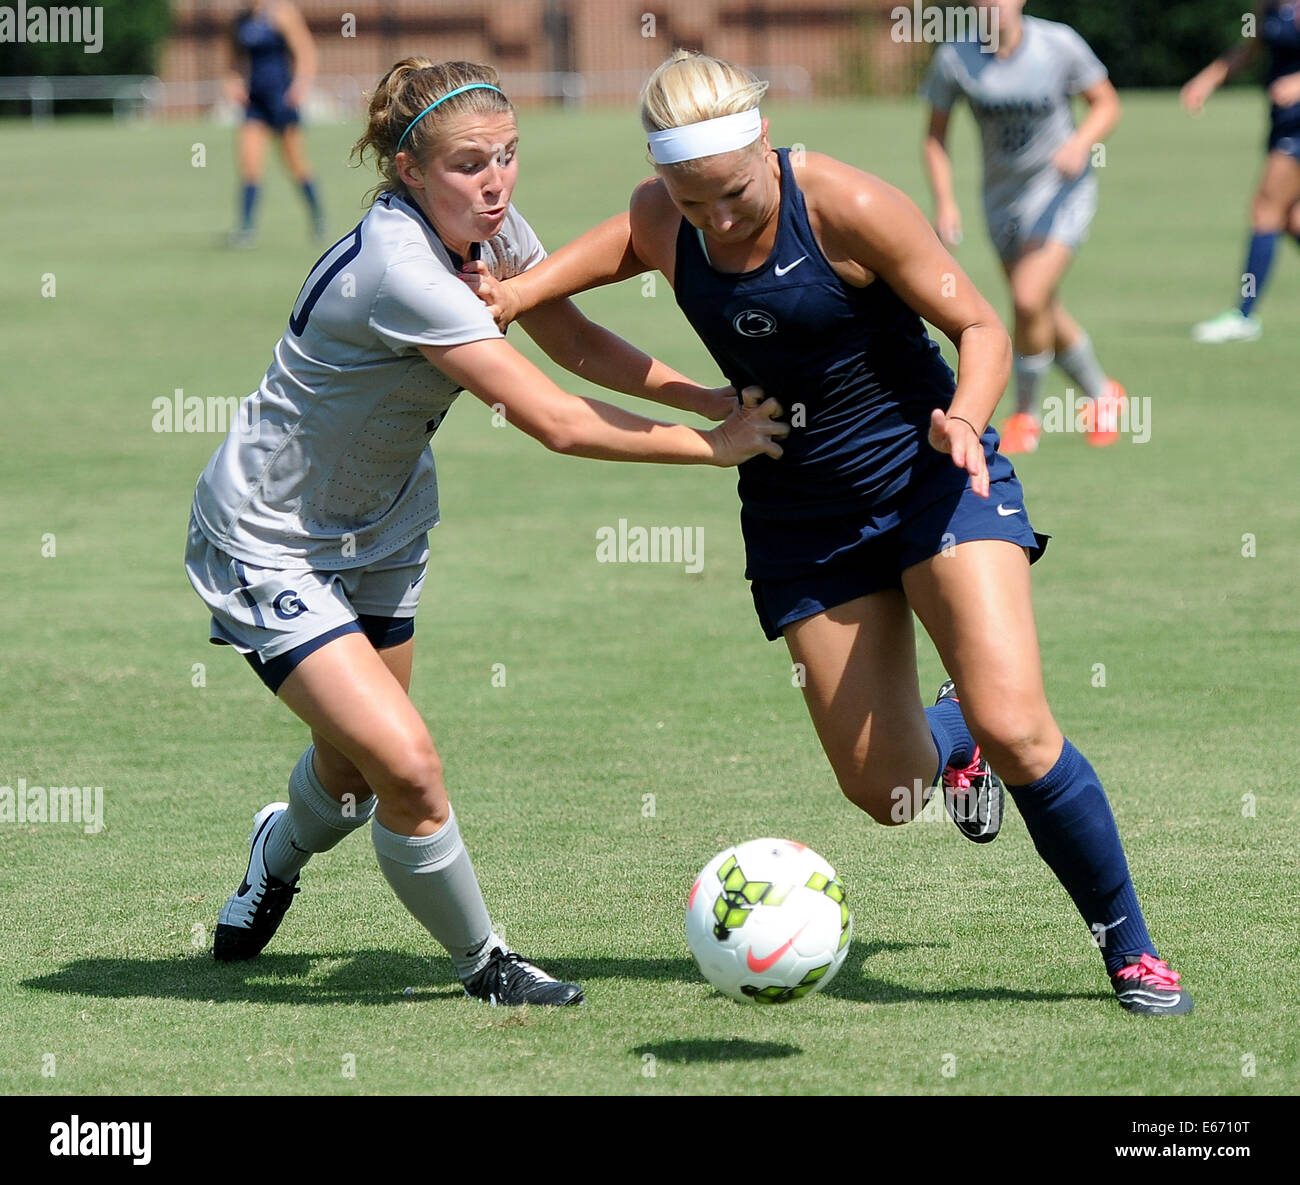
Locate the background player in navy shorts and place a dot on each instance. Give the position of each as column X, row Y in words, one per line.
column 1276, row 207
column 809, row 278
column 275, row 61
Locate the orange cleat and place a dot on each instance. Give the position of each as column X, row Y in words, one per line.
column 1020, row 434
column 1104, row 429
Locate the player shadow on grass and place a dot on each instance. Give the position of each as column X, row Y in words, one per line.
column 722, row 1049
column 384, row 977
column 359, row 977
column 851, row 983
column 857, row 985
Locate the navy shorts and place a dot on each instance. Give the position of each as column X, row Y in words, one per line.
column 272, row 109
column 382, row 632
column 1286, row 141
column 877, row 561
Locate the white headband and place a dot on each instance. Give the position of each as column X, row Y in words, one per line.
column 709, row 138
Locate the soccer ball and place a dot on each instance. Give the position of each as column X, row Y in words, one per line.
column 767, row 921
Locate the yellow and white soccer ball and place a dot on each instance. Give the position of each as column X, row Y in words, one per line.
column 768, row 922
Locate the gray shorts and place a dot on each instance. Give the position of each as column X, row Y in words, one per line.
column 277, row 616
column 1046, row 208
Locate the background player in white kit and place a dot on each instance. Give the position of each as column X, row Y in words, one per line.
column 1040, row 193
column 307, row 540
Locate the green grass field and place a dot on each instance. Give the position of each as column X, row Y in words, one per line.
column 629, row 680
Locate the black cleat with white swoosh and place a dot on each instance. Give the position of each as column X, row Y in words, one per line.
column 510, row 979
column 254, row 911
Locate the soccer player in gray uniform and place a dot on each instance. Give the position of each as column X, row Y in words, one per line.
column 308, row 535
column 1040, row 193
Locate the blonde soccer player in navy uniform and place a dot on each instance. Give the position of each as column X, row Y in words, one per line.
column 1040, row 193
column 308, row 539
column 1276, row 206
column 275, row 61
column 810, row 277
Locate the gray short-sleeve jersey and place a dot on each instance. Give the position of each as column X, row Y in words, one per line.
column 1021, row 103
column 328, row 465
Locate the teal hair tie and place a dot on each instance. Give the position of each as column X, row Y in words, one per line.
column 472, row 86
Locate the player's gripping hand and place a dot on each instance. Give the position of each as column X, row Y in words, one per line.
column 1285, row 92
column 752, row 428
column 717, row 403
column 960, row 439
column 498, row 297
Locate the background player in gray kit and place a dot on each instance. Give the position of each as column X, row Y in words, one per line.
column 1040, row 192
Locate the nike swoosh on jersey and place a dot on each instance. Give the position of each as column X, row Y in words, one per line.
column 789, row 267
column 760, row 965
column 1004, row 512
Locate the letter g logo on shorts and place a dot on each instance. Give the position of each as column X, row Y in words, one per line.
column 287, row 606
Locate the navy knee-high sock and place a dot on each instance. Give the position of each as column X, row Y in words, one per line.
column 248, row 199
column 1070, row 822
column 951, row 736
column 308, row 188
column 1259, row 261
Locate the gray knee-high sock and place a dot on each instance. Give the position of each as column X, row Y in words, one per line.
column 433, row 877
column 1080, row 363
column 314, row 822
column 1031, row 372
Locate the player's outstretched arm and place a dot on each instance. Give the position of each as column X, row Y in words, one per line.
column 1197, row 91
column 881, row 229
column 1104, row 111
column 602, row 357
column 603, row 255
column 501, row 377
column 537, row 298
column 938, row 169
column 291, row 23
column 235, row 87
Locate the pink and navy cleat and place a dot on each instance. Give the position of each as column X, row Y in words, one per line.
column 973, row 794
column 1150, row 986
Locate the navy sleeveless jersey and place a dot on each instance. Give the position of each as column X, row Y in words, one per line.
column 269, row 69
column 1282, row 36
column 857, row 376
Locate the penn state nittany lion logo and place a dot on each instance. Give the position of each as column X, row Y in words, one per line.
column 754, row 323
column 287, row 605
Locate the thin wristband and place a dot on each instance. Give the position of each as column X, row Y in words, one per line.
column 968, row 424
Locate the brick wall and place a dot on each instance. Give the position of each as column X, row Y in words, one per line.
column 833, row 46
